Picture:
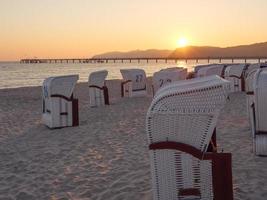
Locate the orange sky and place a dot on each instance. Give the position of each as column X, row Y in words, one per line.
column 82, row 28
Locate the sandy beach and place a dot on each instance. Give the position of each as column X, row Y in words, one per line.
column 106, row 157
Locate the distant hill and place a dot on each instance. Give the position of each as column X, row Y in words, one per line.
column 150, row 53
column 253, row 50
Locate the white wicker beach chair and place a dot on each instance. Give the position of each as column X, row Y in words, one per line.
column 166, row 76
column 98, row 92
column 235, row 74
column 134, row 83
column 249, row 88
column 60, row 109
column 180, row 124
column 258, row 112
column 217, row 69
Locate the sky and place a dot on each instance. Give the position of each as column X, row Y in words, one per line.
column 83, row 28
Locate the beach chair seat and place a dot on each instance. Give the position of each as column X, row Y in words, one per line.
column 179, row 124
column 60, row 108
column 215, row 69
column 235, row 74
column 134, row 83
column 166, row 76
column 258, row 112
column 98, row 91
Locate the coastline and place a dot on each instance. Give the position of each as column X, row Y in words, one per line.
column 106, row 157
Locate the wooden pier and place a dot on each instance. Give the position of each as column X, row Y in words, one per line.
column 138, row 60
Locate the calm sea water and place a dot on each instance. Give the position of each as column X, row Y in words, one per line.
column 14, row 74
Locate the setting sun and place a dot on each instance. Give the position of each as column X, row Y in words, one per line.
column 182, row 42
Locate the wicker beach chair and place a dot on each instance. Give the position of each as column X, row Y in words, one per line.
column 235, row 74
column 60, row 109
column 134, row 83
column 216, row 69
column 180, row 124
column 258, row 112
column 98, row 92
column 166, row 76
column 249, row 89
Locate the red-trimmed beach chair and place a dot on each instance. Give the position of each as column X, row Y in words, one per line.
column 180, row 123
column 249, row 88
column 167, row 76
column 98, row 92
column 258, row 112
column 235, row 74
column 134, row 83
column 60, row 109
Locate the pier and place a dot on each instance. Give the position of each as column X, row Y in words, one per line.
column 138, row 60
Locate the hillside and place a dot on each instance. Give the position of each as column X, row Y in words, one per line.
column 150, row 53
column 253, row 50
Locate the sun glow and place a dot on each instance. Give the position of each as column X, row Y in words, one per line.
column 182, row 42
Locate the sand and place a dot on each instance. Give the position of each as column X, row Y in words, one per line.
column 106, row 157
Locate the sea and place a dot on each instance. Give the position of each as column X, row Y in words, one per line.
column 15, row 74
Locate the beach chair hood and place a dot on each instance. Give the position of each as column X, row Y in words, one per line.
column 98, row 78
column 137, row 76
column 60, row 85
column 200, row 97
column 167, row 76
column 211, row 70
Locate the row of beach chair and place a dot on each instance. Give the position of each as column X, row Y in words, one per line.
column 60, row 108
column 180, row 122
